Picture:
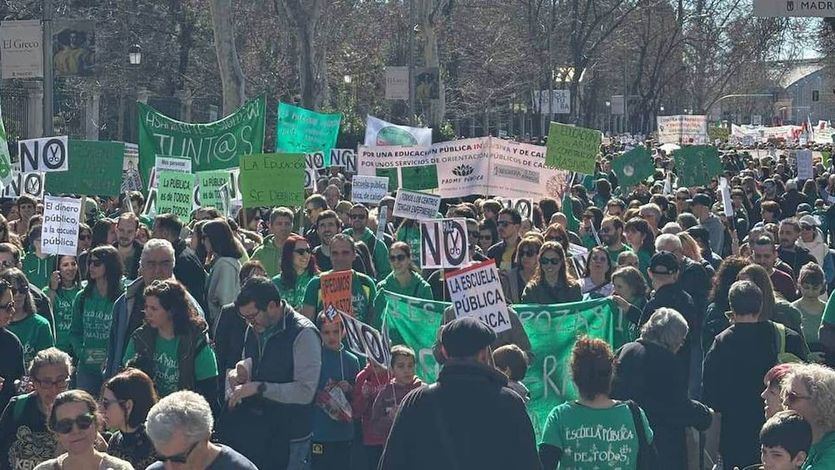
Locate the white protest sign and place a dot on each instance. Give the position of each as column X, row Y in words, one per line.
column 369, row 189
column 415, row 205
column 397, row 83
column 524, row 206
column 787, row 8
column 727, row 203
column 178, row 164
column 684, row 129
column 366, row 341
column 475, row 291
column 44, row 154
column 150, row 208
column 443, row 243
column 805, row 169
column 344, row 158
column 578, row 256
column 59, row 232
column 381, row 133
column 25, row 183
column 382, row 221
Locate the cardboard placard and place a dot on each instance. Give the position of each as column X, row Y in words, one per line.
column 174, row 194
column 369, row 189
column 59, row 233
column 415, row 205
column 44, row 154
column 475, row 291
column 336, row 290
column 270, row 180
column 443, row 243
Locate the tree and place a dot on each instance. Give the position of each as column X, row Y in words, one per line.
column 231, row 75
column 305, row 18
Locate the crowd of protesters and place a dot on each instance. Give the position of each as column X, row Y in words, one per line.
column 203, row 344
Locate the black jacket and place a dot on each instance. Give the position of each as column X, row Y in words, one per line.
column 11, row 367
column 649, row 375
column 189, row 271
column 496, row 251
column 672, row 296
column 796, row 258
column 468, row 419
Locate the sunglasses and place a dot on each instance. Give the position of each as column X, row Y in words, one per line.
column 302, row 251
column 485, row 237
column 504, row 223
column 400, row 257
column 179, row 458
column 83, row 422
column 546, row 261
column 528, row 253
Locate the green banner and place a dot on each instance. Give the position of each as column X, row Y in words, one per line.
column 300, row 130
column 552, row 330
column 572, row 148
column 174, row 193
column 633, row 166
column 5, row 157
column 94, row 169
column 210, row 183
column 696, row 165
column 272, row 179
column 212, row 146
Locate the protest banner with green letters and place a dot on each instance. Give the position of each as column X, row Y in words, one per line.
column 174, row 193
column 306, row 131
column 95, row 169
column 572, row 148
column 212, row 146
column 552, row 330
column 272, row 179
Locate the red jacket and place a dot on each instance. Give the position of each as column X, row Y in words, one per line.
column 368, row 386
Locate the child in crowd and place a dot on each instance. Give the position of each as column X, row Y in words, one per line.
column 333, row 429
column 812, row 284
column 370, row 382
column 404, row 381
column 628, row 258
column 785, row 439
column 513, row 362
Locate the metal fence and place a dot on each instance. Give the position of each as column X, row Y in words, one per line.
column 15, row 115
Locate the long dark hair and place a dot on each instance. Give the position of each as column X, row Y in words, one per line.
column 19, row 283
column 288, row 271
column 222, row 239
column 113, row 269
column 135, row 385
column 564, row 278
column 173, row 298
column 640, row 225
column 599, row 249
column 725, row 276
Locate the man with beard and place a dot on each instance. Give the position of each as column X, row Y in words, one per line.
column 611, row 236
column 789, row 251
column 504, row 252
column 360, row 232
column 269, row 253
column 127, row 245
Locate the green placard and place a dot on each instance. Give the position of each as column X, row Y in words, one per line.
column 419, row 178
column 174, row 193
column 212, row 146
column 94, row 169
column 210, row 183
column 552, row 330
column 696, row 165
column 572, row 148
column 302, row 130
column 634, row 166
column 272, row 179
column 391, row 174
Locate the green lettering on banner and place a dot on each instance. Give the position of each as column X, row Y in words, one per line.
column 272, row 179
column 210, row 183
column 212, row 146
column 572, row 148
column 174, row 193
column 94, row 169
column 302, row 130
column 552, row 330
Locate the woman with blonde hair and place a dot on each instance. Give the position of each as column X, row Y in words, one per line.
column 809, row 389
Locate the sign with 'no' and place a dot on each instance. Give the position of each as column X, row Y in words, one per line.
column 45, row 154
column 443, row 243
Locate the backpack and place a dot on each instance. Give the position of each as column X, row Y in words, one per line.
column 783, row 357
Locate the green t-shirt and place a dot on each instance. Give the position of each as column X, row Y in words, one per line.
column 34, row 334
column 91, row 329
column 38, row 270
column 416, row 287
column 363, row 292
column 613, row 254
column 62, row 310
column 592, row 438
column 821, row 454
column 294, row 296
column 166, row 371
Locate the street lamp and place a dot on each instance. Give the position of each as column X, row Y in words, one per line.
column 661, row 108
column 135, row 54
column 347, row 79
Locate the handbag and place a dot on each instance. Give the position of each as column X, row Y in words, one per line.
column 647, row 455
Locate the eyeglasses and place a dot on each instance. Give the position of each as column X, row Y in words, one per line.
column 504, row 223
column 62, row 382
column 83, row 422
column 792, row 397
column 546, row 261
column 399, row 257
column 95, row 262
column 250, row 318
column 528, row 253
column 302, row 251
column 181, row 457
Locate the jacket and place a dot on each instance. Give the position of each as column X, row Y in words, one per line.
column 649, row 375
column 497, row 251
column 269, row 255
column 189, row 271
column 468, row 419
column 222, row 287
column 132, row 267
column 543, row 294
column 190, row 344
column 795, row 258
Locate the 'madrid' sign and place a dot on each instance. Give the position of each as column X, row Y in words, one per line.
column 785, row 8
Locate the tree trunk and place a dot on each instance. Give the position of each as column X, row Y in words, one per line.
column 231, row 75
column 431, row 16
column 305, row 17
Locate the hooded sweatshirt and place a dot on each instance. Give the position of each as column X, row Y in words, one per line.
column 389, row 400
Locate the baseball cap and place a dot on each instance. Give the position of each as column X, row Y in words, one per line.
column 663, row 262
column 702, row 200
column 465, row 336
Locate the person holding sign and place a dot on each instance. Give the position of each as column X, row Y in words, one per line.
column 297, row 269
column 36, row 264
column 551, row 284
column 404, row 279
column 363, row 290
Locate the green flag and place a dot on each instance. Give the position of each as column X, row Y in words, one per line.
column 825, row 156
column 94, row 169
column 419, row 178
column 6, row 172
column 552, row 330
column 212, row 146
column 633, row 166
column 300, row 130
column 696, row 165
column 572, row 148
